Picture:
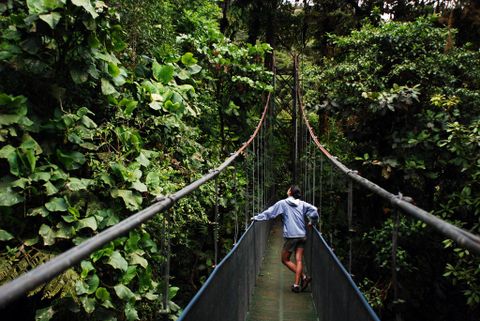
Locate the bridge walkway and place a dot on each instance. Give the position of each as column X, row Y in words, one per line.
column 272, row 298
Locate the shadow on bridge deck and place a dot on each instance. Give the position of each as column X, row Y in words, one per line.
column 272, row 298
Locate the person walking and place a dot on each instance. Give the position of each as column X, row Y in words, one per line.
column 294, row 214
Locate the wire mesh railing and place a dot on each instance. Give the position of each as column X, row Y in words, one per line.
column 226, row 293
column 335, row 295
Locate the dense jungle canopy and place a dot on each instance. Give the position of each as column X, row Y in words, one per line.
column 105, row 105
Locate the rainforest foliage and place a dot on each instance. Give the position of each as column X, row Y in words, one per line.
column 105, row 105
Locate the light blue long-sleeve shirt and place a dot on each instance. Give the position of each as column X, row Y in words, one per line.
column 294, row 212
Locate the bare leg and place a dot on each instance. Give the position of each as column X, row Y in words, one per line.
column 299, row 265
column 286, row 261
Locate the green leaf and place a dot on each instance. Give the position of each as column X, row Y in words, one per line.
column 40, row 176
column 88, row 122
column 129, row 274
column 78, row 184
column 153, row 180
column 71, row 160
column 130, row 312
column 194, row 69
column 162, row 73
column 20, row 183
column 117, row 261
column 155, row 105
column 64, row 231
column 87, row 5
column 57, row 204
column 47, row 234
column 139, row 186
column 78, row 76
column 102, row 294
column 188, row 60
column 41, row 6
column 89, row 286
column 97, row 255
column 50, row 189
column 130, row 107
column 86, row 266
column 88, row 303
column 42, row 211
column 132, row 201
column 123, row 292
column 89, row 222
column 183, row 74
column 10, row 153
column 51, row 18
column 136, row 259
column 31, row 242
column 8, row 197
column 131, row 244
column 172, row 292
column 151, row 296
column 107, row 87
column 113, row 70
column 5, row 236
column 44, row 314
column 142, row 160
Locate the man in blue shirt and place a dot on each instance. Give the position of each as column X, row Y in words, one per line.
column 294, row 212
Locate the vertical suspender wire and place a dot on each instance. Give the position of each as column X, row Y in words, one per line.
column 296, row 117
column 308, row 166
column 259, row 144
column 246, row 196
column 167, row 268
column 215, row 226
column 259, row 169
column 235, row 236
column 311, row 171
column 305, row 153
column 330, row 214
column 264, row 161
column 165, row 245
column 254, row 155
column 350, row 215
column 314, row 160
column 304, row 158
column 320, row 207
column 394, row 260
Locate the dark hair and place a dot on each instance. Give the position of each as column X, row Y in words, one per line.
column 295, row 191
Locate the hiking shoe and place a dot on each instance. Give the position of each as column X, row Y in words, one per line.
column 305, row 282
column 296, row 288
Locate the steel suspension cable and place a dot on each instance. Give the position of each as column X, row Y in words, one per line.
column 47, row 271
column 462, row 237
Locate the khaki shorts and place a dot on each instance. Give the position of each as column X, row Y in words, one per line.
column 294, row 243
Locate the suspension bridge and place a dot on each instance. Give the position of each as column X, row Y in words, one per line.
column 249, row 283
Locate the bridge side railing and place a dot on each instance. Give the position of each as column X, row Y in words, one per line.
column 335, row 294
column 226, row 293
